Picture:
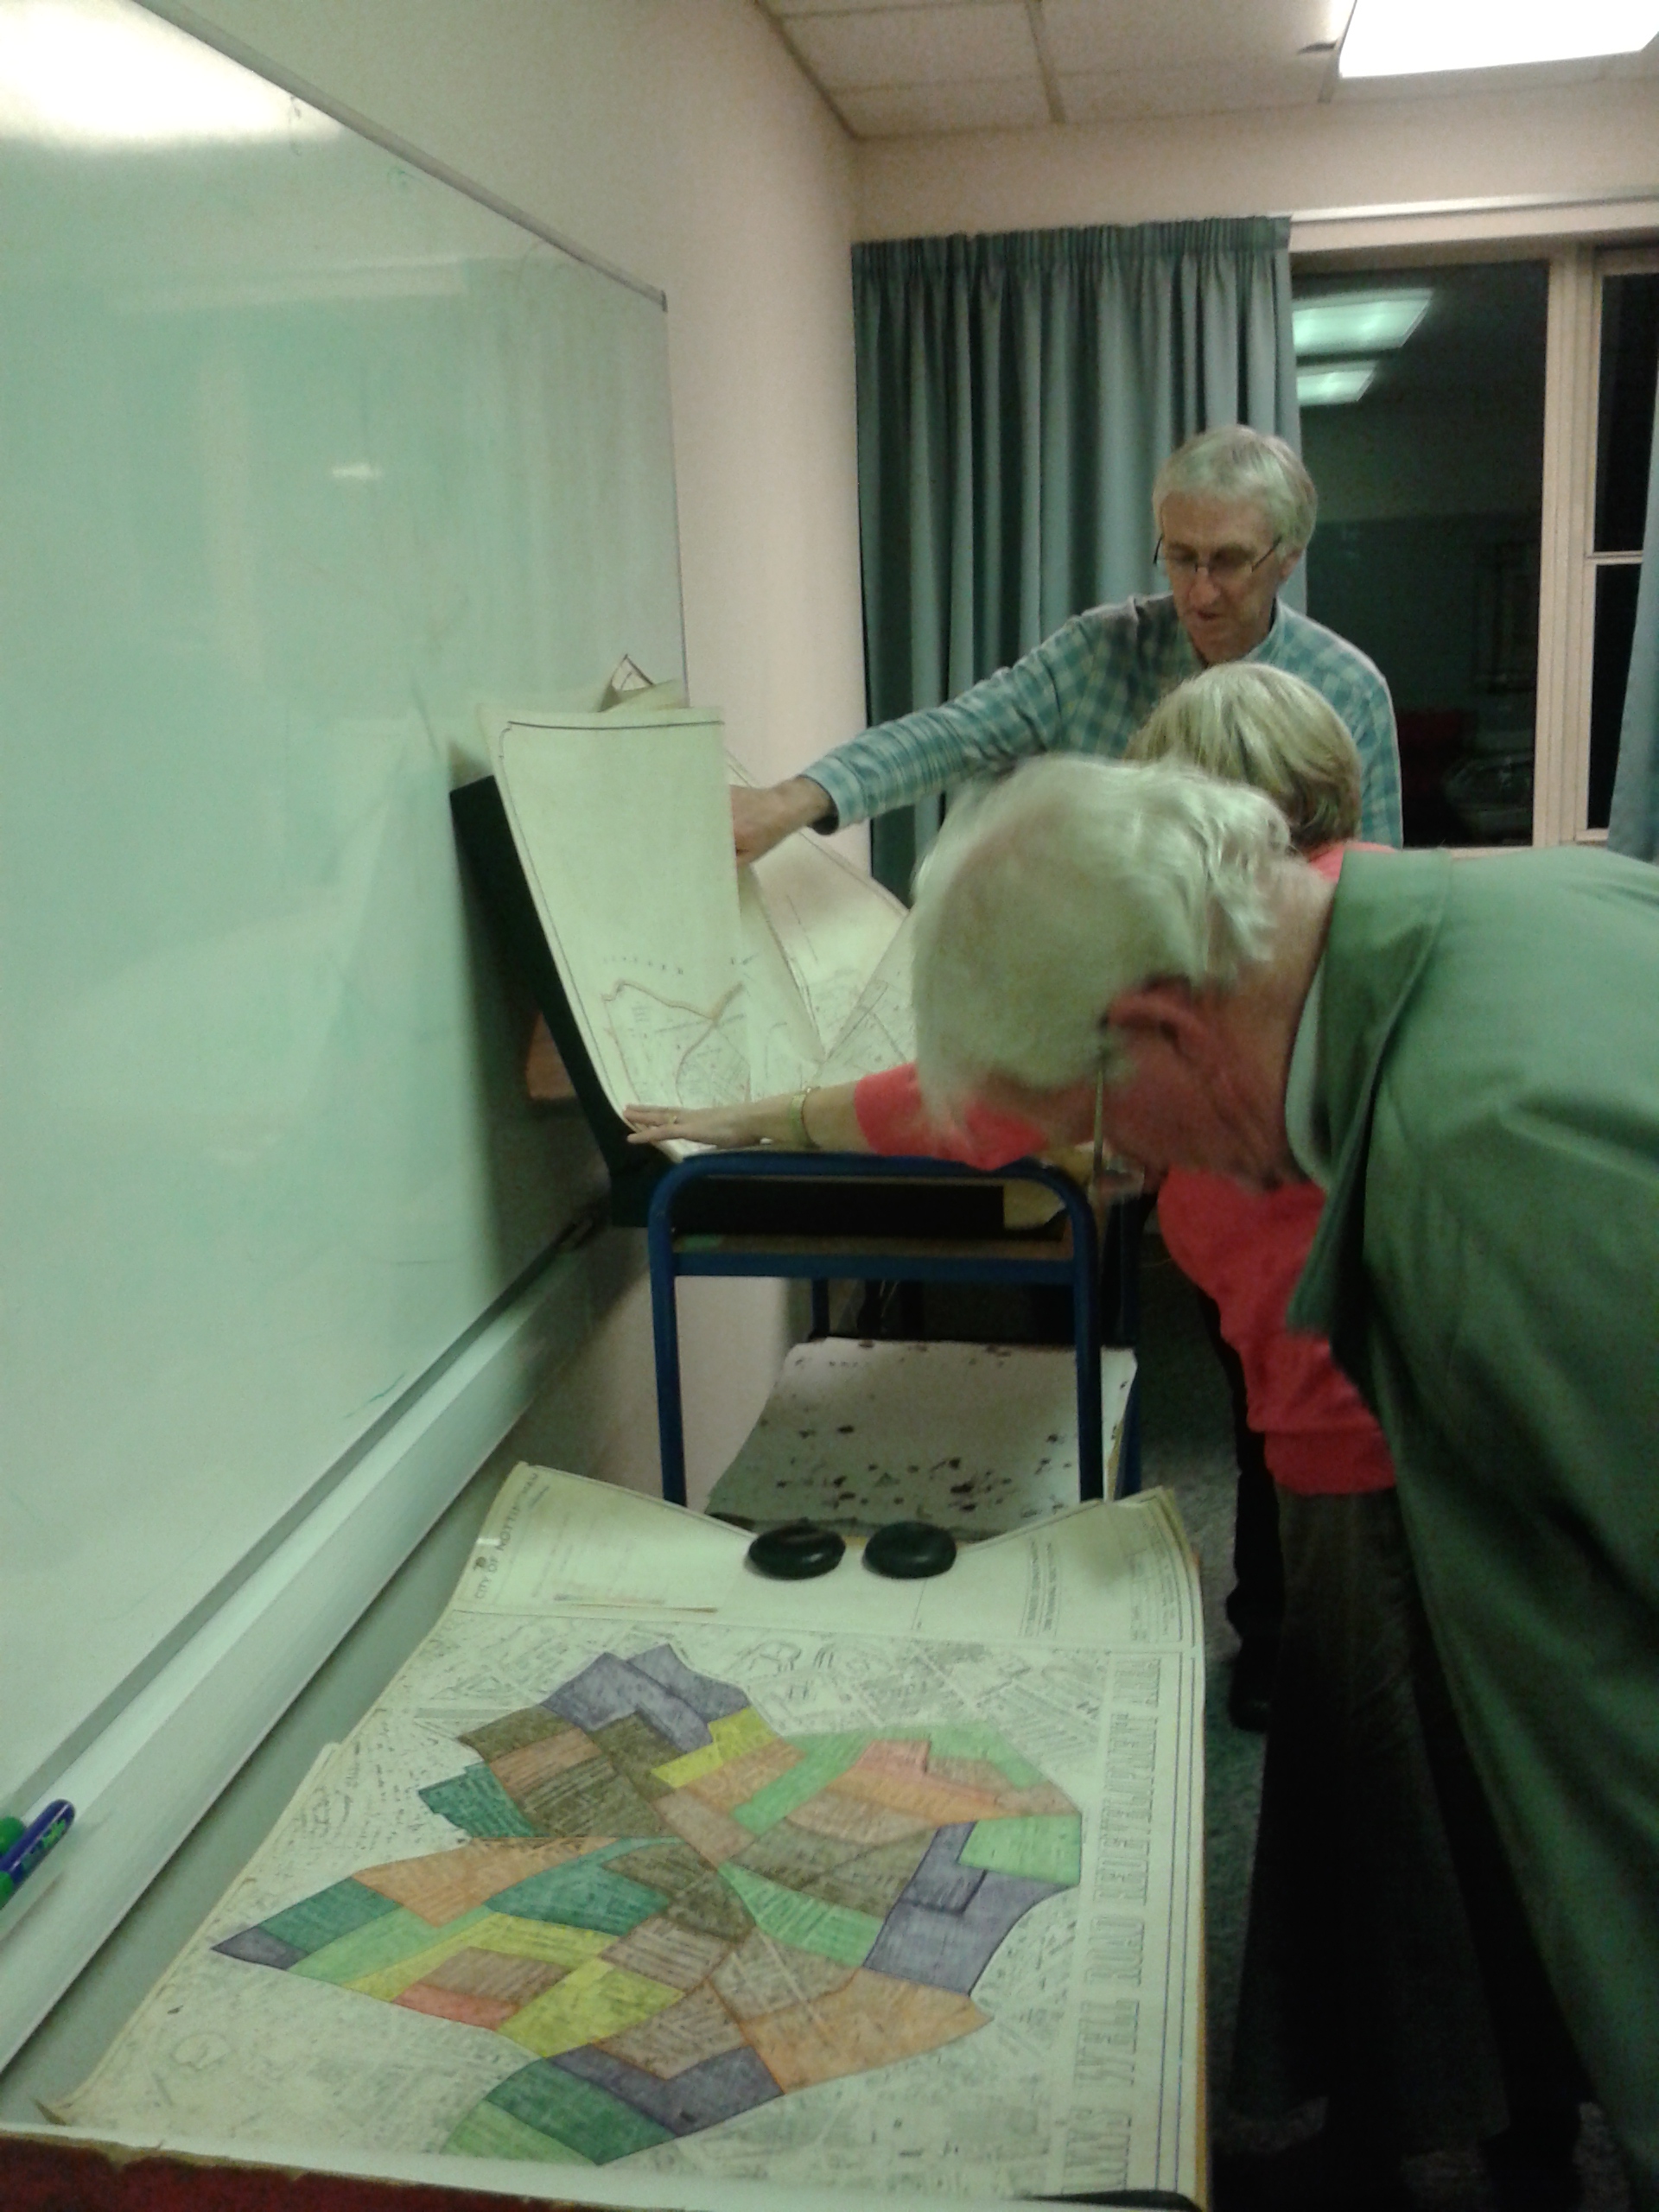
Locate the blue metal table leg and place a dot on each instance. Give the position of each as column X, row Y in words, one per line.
column 1119, row 1278
column 820, row 1306
column 665, row 1333
column 1128, row 1459
column 1127, row 1226
column 1085, row 1342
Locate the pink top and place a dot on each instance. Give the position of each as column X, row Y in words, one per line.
column 1245, row 1248
column 894, row 1120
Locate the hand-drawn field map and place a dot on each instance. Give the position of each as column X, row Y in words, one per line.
column 681, row 1915
column 804, row 1908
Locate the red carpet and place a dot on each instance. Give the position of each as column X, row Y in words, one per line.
column 39, row 2177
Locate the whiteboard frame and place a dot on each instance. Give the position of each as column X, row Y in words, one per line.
column 274, row 72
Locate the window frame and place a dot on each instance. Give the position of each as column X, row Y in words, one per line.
column 1569, row 561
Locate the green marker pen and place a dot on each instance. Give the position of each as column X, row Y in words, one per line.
column 23, row 1854
column 9, row 1832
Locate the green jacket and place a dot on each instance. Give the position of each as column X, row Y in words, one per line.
column 1487, row 1270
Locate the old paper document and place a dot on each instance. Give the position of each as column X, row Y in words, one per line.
column 1099, row 1576
column 644, row 1863
column 692, row 984
column 622, row 824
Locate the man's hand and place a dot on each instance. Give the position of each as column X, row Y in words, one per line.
column 762, row 819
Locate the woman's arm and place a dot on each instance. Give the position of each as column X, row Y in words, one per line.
column 823, row 1120
column 894, row 1121
column 879, row 1113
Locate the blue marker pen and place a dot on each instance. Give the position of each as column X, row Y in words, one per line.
column 19, row 1860
column 9, row 1832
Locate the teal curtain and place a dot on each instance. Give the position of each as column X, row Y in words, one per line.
column 1633, row 822
column 1016, row 394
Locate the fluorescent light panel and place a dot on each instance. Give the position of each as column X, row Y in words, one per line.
column 1357, row 323
column 1409, row 38
column 103, row 73
column 1334, row 384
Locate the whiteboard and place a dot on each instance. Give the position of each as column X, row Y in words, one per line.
column 304, row 454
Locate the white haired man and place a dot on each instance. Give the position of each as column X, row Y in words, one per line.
column 1234, row 509
column 1466, row 1056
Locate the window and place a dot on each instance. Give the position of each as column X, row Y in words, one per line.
column 1482, row 506
column 1423, row 396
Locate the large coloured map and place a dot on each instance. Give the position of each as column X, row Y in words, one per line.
column 681, row 1915
column 694, row 1887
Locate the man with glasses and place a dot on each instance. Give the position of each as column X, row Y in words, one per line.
column 1234, row 511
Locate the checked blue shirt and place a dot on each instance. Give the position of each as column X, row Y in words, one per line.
column 1088, row 688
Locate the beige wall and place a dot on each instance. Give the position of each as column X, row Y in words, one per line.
column 677, row 139
column 1601, row 138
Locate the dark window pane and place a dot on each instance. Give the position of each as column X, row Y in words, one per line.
column 1427, row 549
column 1629, row 371
column 1615, row 630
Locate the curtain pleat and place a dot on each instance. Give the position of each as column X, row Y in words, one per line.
column 1016, row 395
column 1633, row 822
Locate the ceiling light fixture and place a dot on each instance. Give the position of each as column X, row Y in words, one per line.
column 1356, row 322
column 1333, row 383
column 104, row 73
column 1409, row 38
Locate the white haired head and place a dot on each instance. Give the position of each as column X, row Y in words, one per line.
column 1251, row 724
column 1235, row 463
column 1067, row 883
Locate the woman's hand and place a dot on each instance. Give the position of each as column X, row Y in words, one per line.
column 751, row 1122
column 816, row 1120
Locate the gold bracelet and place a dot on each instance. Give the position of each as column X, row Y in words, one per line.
column 805, row 1141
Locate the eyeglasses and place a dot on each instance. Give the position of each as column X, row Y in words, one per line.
column 1228, row 565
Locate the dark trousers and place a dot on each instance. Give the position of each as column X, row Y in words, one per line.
column 1387, row 1962
column 1256, row 1604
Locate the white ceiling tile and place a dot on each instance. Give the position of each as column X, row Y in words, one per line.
column 918, row 46
column 899, row 111
column 894, row 66
column 1086, row 37
column 1216, row 89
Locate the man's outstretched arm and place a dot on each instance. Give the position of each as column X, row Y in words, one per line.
column 1019, row 711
